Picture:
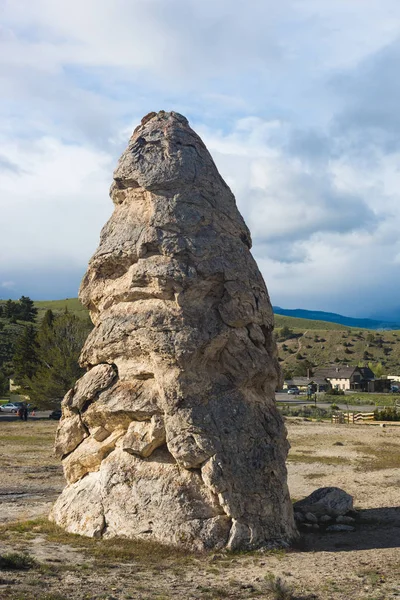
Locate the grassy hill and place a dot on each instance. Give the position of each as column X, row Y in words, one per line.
column 73, row 305
column 322, row 347
column 319, row 342
column 300, row 325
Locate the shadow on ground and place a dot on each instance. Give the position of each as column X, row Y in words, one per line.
column 376, row 528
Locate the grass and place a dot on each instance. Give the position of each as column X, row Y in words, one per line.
column 104, row 551
column 312, row 476
column 17, row 561
column 73, row 305
column 278, row 588
column 325, row 460
column 10, row 594
column 385, row 456
column 80, row 568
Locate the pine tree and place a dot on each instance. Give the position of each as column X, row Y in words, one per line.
column 27, row 310
column 25, row 359
column 48, row 318
column 10, row 310
column 60, row 340
column 4, row 384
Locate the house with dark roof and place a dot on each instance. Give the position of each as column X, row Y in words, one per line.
column 347, row 377
column 317, row 384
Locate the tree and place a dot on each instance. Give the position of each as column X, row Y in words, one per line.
column 4, row 384
column 27, row 310
column 60, row 340
column 303, row 369
column 285, row 333
column 287, row 373
column 48, row 318
column 25, row 359
column 377, row 369
column 10, row 310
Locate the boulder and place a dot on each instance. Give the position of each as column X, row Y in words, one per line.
column 184, row 442
column 330, row 501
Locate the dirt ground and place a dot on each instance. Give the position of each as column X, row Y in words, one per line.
column 364, row 460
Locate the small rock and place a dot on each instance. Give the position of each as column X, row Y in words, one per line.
column 299, row 517
column 315, row 526
column 307, row 525
column 340, row 528
column 325, row 519
column 311, row 518
column 345, row 520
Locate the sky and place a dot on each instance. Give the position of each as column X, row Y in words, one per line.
column 297, row 101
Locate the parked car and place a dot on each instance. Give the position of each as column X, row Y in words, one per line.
column 56, row 414
column 11, row 407
column 294, row 391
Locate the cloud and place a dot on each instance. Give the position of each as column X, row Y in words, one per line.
column 55, row 208
column 297, row 102
column 8, row 165
column 370, row 96
column 280, row 197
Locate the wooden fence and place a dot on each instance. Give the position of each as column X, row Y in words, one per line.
column 351, row 417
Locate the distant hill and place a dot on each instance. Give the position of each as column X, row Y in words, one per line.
column 303, row 324
column 321, row 342
column 317, row 315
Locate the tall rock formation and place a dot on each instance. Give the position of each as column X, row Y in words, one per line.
column 173, row 434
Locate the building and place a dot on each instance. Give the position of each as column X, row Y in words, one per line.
column 348, row 378
column 318, row 384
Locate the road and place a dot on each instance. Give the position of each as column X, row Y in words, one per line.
column 302, row 399
column 40, row 415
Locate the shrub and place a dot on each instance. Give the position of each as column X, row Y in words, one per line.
column 16, row 561
column 389, row 413
column 335, row 392
column 279, row 589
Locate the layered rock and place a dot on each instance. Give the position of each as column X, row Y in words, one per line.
column 173, row 433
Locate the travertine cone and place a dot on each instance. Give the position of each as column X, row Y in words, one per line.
column 173, row 433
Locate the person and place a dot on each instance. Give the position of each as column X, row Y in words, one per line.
column 25, row 412
column 20, row 412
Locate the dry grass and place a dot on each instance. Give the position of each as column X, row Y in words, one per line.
column 102, row 551
column 376, row 458
column 324, row 460
column 70, row 567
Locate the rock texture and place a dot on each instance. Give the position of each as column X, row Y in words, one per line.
column 330, row 501
column 173, row 433
column 328, row 508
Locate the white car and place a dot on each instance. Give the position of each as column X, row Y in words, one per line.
column 10, row 407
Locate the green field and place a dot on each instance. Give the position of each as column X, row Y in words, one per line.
column 73, row 305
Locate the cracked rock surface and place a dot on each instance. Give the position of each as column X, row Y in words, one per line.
column 173, row 433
